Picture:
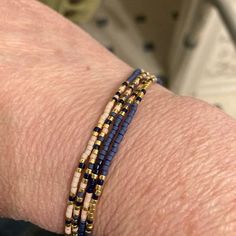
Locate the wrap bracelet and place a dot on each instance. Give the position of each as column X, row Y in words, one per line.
column 89, row 177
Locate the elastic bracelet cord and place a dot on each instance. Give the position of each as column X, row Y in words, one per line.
column 100, row 150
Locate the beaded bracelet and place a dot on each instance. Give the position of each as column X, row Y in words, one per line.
column 89, row 176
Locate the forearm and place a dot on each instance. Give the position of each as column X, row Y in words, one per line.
column 174, row 173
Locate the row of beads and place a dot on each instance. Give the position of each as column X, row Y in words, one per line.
column 111, row 146
column 89, row 197
column 111, row 128
column 91, row 151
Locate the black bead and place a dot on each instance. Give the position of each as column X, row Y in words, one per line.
column 118, row 93
column 144, row 91
column 100, row 181
column 121, row 101
column 97, row 129
column 107, row 121
column 71, row 198
column 115, row 99
column 125, row 110
column 81, row 165
column 139, row 99
column 96, row 146
column 125, row 83
column 67, row 221
column 95, row 197
column 78, row 203
column 89, row 221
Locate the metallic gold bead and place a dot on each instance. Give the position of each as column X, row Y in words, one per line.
column 102, row 177
column 111, row 118
column 98, row 142
column 89, row 227
column 94, row 176
column 93, row 201
column 95, row 133
column 77, row 208
column 79, row 170
column 85, row 181
column 106, row 126
column 90, row 215
column 88, row 171
column 122, row 113
column 98, row 187
column 79, row 199
column 95, row 151
column 85, row 208
column 98, row 192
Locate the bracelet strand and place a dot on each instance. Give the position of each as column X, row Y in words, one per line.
column 87, row 183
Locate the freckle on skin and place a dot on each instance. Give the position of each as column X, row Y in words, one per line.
column 88, row 68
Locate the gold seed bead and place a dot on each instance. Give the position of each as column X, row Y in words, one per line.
column 81, row 190
column 106, row 126
column 98, row 192
column 95, row 133
column 98, row 187
column 122, row 113
column 90, row 215
column 89, row 227
column 88, row 171
column 93, row 201
column 94, row 176
column 102, row 177
column 98, row 142
column 79, row 170
column 77, row 208
column 79, row 199
column 99, row 125
column 95, row 151
column 84, row 181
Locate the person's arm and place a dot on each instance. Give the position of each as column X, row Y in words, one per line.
column 174, row 173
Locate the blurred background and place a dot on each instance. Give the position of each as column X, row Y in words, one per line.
column 190, row 44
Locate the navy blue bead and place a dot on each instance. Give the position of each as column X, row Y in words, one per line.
column 104, row 172
column 107, row 163
column 115, row 145
column 108, row 140
column 134, row 75
column 109, row 158
column 102, row 152
column 119, row 138
column 122, row 131
column 101, row 157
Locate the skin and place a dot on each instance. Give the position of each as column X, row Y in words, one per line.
column 175, row 171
